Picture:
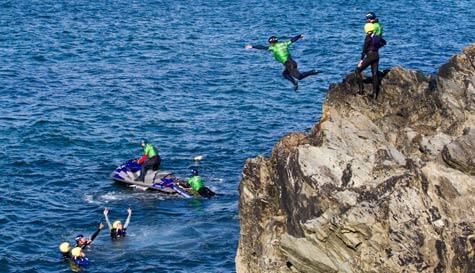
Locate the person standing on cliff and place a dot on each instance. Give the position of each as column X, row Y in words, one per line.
column 282, row 55
column 369, row 57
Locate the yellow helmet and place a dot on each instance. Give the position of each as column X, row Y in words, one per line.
column 76, row 252
column 369, row 27
column 64, row 247
column 116, row 224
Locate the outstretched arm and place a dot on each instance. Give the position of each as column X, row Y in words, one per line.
column 101, row 226
column 261, row 47
column 296, row 38
column 127, row 221
column 106, row 212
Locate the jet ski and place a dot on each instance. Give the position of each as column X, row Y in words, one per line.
column 162, row 181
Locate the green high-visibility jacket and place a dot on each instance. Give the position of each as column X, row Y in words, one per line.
column 378, row 28
column 196, row 183
column 281, row 51
column 149, row 150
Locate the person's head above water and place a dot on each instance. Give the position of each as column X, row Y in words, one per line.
column 194, row 172
column 371, row 16
column 64, row 247
column 117, row 225
column 77, row 252
column 272, row 40
column 81, row 240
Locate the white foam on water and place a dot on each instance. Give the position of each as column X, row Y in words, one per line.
column 113, row 196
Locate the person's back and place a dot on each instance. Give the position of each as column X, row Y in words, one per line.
column 150, row 150
column 150, row 159
column 280, row 51
column 197, row 184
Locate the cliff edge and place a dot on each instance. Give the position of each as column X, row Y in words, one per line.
column 384, row 185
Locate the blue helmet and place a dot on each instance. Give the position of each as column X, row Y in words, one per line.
column 143, row 141
column 78, row 237
column 272, row 39
column 194, row 172
column 370, row 16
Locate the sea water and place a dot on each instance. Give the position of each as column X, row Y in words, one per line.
column 83, row 81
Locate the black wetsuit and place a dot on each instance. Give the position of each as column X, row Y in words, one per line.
column 93, row 236
column 116, row 234
column 151, row 163
column 370, row 57
column 291, row 71
column 206, row 192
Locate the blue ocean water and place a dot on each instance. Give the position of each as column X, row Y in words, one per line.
column 83, row 81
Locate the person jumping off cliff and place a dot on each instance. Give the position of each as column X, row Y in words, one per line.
column 282, row 55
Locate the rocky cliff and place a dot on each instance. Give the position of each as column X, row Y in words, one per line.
column 384, row 185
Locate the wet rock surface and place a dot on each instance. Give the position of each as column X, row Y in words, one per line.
column 383, row 185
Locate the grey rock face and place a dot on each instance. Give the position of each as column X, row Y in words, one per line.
column 382, row 185
column 460, row 154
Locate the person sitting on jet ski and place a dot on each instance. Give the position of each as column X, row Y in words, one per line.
column 150, row 159
column 117, row 229
column 82, row 241
column 197, row 184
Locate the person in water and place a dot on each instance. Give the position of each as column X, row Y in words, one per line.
column 149, row 160
column 197, row 184
column 369, row 57
column 65, row 249
column 118, row 230
column 282, row 55
column 82, row 241
column 79, row 257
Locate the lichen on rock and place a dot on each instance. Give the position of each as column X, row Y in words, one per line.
column 382, row 185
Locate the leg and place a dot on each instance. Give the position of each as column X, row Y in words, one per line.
column 292, row 67
column 359, row 80
column 374, row 72
column 289, row 72
column 147, row 165
column 358, row 72
column 287, row 76
column 308, row 73
column 156, row 163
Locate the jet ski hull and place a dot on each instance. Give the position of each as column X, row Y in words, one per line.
column 162, row 181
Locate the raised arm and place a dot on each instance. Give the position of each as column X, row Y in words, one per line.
column 93, row 236
column 127, row 221
column 261, row 47
column 296, row 38
column 106, row 212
